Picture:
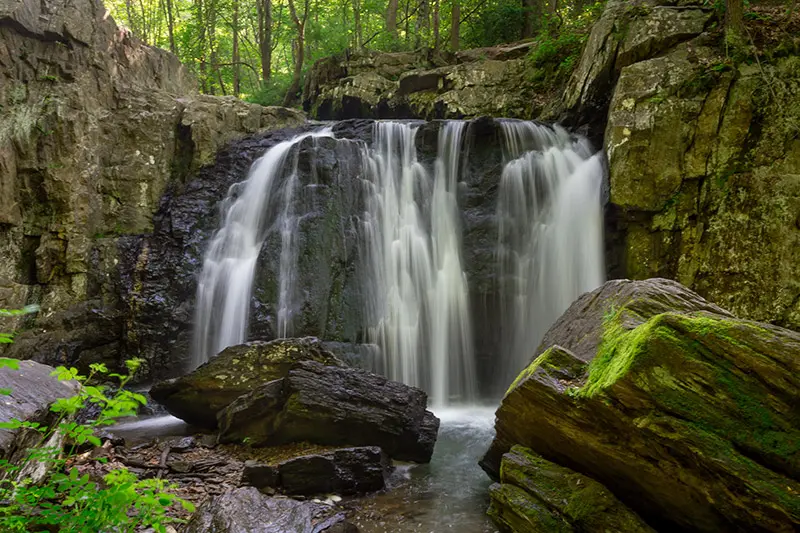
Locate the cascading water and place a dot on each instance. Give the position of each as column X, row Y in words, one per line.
column 415, row 292
column 417, row 295
column 252, row 210
column 550, row 245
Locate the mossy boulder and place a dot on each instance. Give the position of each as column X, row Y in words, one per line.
column 334, row 406
column 538, row 496
column 689, row 415
column 237, row 370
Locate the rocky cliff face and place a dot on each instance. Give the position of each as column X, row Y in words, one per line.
column 94, row 127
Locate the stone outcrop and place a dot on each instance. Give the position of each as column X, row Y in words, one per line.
column 334, row 406
column 421, row 84
column 198, row 396
column 245, row 510
column 343, row 471
column 95, row 127
column 537, row 496
column 705, row 185
column 683, row 412
column 31, row 391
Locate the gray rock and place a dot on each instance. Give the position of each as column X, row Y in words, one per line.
column 33, row 391
column 245, row 510
column 335, row 406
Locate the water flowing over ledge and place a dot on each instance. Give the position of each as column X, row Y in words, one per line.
column 414, row 296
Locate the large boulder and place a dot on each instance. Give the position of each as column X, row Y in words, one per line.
column 686, row 414
column 31, row 391
column 237, row 370
column 537, row 496
column 245, row 510
column 334, row 406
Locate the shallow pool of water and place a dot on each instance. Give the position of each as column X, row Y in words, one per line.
column 449, row 494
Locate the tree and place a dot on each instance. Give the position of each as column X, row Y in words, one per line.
column 299, row 51
column 235, row 53
column 455, row 25
column 264, row 14
column 391, row 18
column 734, row 21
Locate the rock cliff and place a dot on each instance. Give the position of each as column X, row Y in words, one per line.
column 95, row 125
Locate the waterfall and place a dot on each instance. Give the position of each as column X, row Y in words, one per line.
column 417, row 295
column 253, row 209
column 550, row 238
column 411, row 288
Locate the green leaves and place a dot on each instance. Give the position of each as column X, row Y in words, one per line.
column 5, row 362
column 68, row 500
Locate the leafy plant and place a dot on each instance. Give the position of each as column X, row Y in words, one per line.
column 65, row 500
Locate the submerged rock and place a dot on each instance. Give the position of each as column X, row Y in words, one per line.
column 245, row 510
column 336, row 406
column 539, row 496
column 685, row 413
column 198, row 396
column 32, row 391
column 343, row 471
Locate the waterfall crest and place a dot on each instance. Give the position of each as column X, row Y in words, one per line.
column 550, row 233
column 417, row 295
column 253, row 209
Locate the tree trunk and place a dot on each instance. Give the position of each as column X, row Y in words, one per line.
column 734, row 21
column 359, row 35
column 299, row 56
column 455, row 25
column 436, row 24
column 171, row 27
column 423, row 23
column 131, row 20
column 264, row 8
column 235, row 48
column 391, row 18
column 201, row 45
column 531, row 14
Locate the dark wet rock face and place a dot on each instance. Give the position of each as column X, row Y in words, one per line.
column 685, row 413
column 237, row 370
column 343, row 471
column 334, row 406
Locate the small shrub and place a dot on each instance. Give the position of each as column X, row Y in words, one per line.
column 64, row 500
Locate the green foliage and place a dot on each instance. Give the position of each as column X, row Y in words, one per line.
column 66, row 500
column 203, row 33
column 271, row 92
column 559, row 46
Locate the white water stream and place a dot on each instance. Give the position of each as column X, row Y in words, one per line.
column 250, row 213
column 550, row 238
column 417, row 295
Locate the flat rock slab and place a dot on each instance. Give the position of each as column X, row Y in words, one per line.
column 344, row 471
column 198, row 396
column 33, row 391
column 334, row 406
column 245, row 510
